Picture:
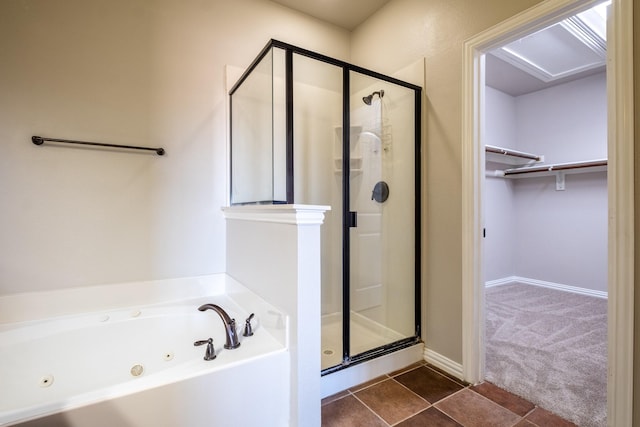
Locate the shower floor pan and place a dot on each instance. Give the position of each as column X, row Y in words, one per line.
column 365, row 335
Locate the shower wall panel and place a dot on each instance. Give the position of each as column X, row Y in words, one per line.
column 383, row 244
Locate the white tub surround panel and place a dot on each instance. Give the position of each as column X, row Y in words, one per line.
column 274, row 250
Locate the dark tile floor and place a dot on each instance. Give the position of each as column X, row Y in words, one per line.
column 420, row 395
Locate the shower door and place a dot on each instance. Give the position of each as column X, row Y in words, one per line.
column 381, row 220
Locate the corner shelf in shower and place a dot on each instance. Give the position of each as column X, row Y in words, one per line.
column 355, row 158
column 355, row 164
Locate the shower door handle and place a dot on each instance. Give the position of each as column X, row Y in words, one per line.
column 352, row 219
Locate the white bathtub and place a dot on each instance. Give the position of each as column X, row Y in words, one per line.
column 137, row 365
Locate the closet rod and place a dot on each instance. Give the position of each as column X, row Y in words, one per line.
column 556, row 167
column 39, row 140
column 512, row 153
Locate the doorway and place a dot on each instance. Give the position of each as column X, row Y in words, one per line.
column 620, row 153
column 545, row 213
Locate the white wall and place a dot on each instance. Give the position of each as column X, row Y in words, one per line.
column 566, row 122
column 501, row 131
column 562, row 235
column 541, row 233
column 131, row 72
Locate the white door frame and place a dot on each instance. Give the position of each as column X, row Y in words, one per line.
column 620, row 191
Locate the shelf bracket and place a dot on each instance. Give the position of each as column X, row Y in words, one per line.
column 559, row 181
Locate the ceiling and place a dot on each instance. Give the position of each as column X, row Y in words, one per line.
column 573, row 48
column 515, row 82
column 507, row 69
column 347, row 14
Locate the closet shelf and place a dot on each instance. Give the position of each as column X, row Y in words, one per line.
column 508, row 156
column 599, row 165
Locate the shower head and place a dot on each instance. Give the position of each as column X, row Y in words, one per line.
column 367, row 99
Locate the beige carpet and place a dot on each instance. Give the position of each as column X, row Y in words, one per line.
column 549, row 347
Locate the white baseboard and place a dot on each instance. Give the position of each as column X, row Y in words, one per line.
column 551, row 285
column 503, row 281
column 444, row 363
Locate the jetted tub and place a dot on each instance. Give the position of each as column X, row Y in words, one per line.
column 138, row 366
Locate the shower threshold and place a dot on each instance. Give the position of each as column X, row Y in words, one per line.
column 370, row 368
column 368, row 339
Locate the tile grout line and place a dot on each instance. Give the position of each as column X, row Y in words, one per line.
column 445, row 412
column 520, row 417
column 529, row 413
column 392, row 378
column 431, row 405
column 389, row 378
column 367, row 406
column 413, row 415
column 350, row 393
column 412, row 392
column 424, row 366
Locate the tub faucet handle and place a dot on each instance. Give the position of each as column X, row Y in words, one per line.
column 210, row 353
column 248, row 330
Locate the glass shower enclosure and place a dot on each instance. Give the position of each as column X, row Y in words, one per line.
column 310, row 129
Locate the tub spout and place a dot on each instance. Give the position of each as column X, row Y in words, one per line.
column 229, row 325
